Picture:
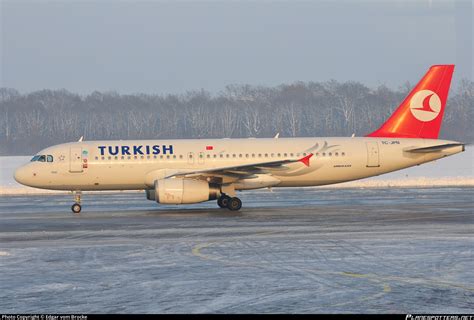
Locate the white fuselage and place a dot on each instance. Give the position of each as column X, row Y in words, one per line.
column 107, row 165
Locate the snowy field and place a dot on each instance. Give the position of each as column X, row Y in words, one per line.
column 388, row 250
column 457, row 170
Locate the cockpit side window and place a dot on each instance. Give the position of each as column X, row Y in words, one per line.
column 49, row 158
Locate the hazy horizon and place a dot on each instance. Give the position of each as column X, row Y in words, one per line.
column 173, row 47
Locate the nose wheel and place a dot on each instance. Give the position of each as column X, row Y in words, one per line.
column 231, row 203
column 76, row 207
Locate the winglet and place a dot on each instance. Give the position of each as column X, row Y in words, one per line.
column 305, row 160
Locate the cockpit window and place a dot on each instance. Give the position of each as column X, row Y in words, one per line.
column 42, row 158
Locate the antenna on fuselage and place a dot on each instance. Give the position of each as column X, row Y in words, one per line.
column 277, row 135
column 80, row 139
column 353, row 135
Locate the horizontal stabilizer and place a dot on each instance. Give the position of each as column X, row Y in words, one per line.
column 437, row 148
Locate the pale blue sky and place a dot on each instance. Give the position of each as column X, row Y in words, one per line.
column 169, row 47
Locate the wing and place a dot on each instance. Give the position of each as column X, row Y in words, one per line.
column 234, row 173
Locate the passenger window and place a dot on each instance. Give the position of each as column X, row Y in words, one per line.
column 49, row 158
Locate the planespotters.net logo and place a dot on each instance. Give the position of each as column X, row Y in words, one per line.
column 439, row 317
column 425, row 105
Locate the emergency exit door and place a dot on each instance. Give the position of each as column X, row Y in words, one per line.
column 75, row 159
column 190, row 157
column 373, row 159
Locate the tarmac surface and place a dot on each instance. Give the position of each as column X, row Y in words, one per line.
column 291, row 251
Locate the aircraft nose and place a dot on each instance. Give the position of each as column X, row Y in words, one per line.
column 21, row 176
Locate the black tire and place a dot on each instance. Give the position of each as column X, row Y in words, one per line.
column 223, row 201
column 76, row 208
column 234, row 204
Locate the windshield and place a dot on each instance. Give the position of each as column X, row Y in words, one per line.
column 42, row 158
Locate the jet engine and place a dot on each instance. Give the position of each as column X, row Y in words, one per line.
column 181, row 191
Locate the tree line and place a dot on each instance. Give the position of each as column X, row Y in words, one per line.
column 32, row 121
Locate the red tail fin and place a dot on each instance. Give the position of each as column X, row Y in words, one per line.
column 421, row 113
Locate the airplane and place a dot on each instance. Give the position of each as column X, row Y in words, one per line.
column 188, row 171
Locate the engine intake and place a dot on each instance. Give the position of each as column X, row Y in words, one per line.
column 182, row 191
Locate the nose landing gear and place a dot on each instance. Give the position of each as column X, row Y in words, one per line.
column 76, row 207
column 231, row 203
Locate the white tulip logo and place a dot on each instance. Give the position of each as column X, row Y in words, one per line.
column 425, row 105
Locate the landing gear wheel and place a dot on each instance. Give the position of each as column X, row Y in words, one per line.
column 234, row 204
column 76, row 208
column 223, row 201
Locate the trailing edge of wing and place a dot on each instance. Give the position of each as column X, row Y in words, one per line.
column 437, row 148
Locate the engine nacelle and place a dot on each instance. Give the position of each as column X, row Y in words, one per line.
column 181, row 191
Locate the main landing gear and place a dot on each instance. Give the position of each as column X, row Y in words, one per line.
column 231, row 203
column 76, row 207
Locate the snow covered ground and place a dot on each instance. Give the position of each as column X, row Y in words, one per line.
column 308, row 250
column 457, row 170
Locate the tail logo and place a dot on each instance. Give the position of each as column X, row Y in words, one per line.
column 425, row 105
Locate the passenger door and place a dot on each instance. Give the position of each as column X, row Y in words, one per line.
column 75, row 160
column 373, row 159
